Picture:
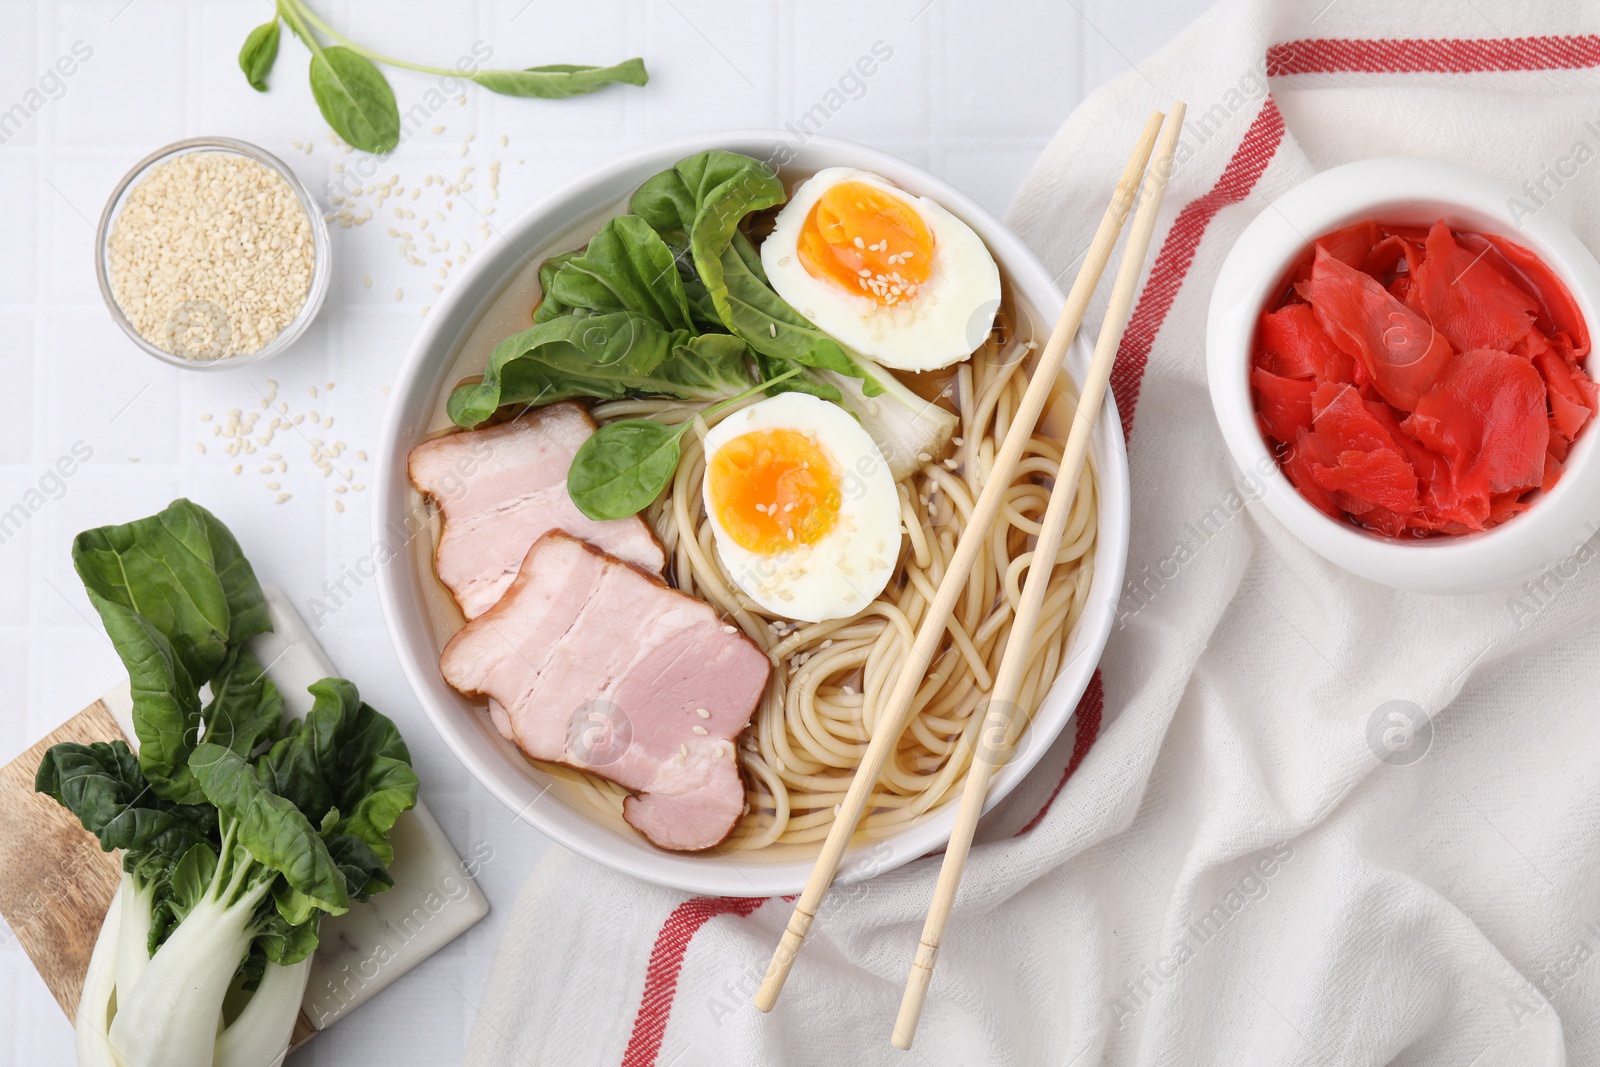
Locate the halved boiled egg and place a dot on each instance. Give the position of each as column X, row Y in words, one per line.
column 803, row 509
column 894, row 276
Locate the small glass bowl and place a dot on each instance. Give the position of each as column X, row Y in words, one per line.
column 320, row 268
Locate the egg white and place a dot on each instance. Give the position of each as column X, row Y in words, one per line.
column 942, row 324
column 846, row 569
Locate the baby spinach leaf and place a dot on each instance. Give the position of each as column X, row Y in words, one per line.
column 622, row 467
column 697, row 207
column 549, row 307
column 701, row 309
column 704, row 197
column 260, row 51
column 355, row 98
column 275, row 832
column 625, row 267
column 559, row 80
column 604, row 356
column 774, row 329
column 710, row 365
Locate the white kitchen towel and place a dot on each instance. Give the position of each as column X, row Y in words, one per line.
column 1320, row 822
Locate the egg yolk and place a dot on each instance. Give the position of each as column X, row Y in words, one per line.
column 867, row 241
column 773, row 490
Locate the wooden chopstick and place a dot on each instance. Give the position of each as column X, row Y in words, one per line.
column 1001, row 705
column 892, row 721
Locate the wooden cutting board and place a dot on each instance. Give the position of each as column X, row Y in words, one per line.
column 56, row 883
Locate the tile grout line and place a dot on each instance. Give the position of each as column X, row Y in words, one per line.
column 44, row 138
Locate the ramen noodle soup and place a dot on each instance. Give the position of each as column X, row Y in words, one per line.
column 832, row 671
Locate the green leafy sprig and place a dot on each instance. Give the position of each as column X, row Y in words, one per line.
column 355, row 97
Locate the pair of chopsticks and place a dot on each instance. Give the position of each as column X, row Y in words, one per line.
column 1002, row 697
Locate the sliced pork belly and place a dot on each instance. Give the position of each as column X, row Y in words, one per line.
column 599, row 666
column 501, row 489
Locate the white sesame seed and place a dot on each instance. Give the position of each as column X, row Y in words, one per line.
column 701, row 731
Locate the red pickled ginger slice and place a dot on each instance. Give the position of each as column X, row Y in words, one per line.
column 1385, row 258
column 1572, row 394
column 1558, row 310
column 1296, row 346
column 1380, row 479
column 1467, row 297
column 1352, row 244
column 1401, row 352
column 1341, row 417
column 1369, row 468
column 1300, row 461
column 1487, row 418
column 1282, row 404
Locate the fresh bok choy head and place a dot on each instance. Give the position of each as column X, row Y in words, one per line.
column 238, row 833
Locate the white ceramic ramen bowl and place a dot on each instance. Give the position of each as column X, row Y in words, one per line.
column 1404, row 191
column 400, row 520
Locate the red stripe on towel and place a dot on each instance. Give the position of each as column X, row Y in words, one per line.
column 1177, row 254
column 1436, row 55
column 666, row 963
column 1166, row 278
column 1087, row 716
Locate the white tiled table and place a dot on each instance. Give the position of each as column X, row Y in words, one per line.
column 972, row 92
